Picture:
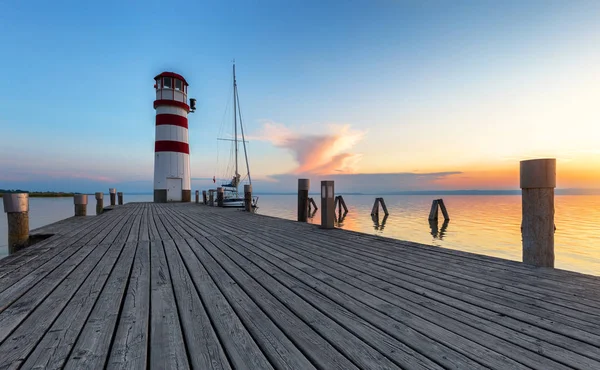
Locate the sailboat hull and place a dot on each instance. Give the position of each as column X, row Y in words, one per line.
column 233, row 202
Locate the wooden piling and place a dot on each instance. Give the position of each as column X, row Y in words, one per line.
column 16, row 207
column 327, row 205
column 80, row 202
column 538, row 180
column 120, row 197
column 204, row 198
column 211, row 197
column 197, row 197
column 220, row 196
column 433, row 214
column 113, row 196
column 340, row 204
column 303, row 204
column 376, row 204
column 443, row 208
column 248, row 198
column 312, row 207
column 99, row 203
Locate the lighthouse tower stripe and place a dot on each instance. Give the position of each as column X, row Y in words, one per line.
column 171, row 146
column 171, row 119
column 167, row 109
column 171, row 133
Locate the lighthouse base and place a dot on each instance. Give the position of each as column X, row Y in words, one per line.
column 160, row 196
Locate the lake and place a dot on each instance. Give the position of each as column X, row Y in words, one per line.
column 484, row 224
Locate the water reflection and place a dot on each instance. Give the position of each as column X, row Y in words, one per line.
column 340, row 217
column 438, row 233
column 376, row 225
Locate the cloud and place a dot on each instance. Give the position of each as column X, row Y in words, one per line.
column 316, row 154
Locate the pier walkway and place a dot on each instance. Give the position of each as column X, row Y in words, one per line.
column 177, row 286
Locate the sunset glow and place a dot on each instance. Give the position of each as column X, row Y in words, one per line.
column 430, row 97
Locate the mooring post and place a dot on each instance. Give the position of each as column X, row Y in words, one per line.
column 327, row 205
column 211, row 197
column 80, row 201
column 538, row 180
column 220, row 196
column 197, row 197
column 433, row 214
column 113, row 196
column 16, row 206
column 303, row 206
column 99, row 203
column 248, row 198
column 120, row 197
column 204, row 199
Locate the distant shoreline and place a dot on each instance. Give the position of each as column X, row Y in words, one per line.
column 45, row 194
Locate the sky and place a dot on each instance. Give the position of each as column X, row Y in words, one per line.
column 378, row 95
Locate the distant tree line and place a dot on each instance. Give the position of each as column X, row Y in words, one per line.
column 38, row 194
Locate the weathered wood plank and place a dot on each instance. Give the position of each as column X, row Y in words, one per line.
column 352, row 346
column 55, row 346
column 16, row 347
column 471, row 314
column 360, row 342
column 92, row 347
column 167, row 346
column 129, row 349
column 282, row 353
column 241, row 349
column 487, row 333
column 205, row 351
column 505, row 303
column 47, row 260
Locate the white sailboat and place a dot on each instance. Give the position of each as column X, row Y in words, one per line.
column 232, row 197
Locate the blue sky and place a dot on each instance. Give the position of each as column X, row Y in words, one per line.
column 418, row 88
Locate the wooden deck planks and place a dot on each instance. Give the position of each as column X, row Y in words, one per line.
column 171, row 286
column 167, row 346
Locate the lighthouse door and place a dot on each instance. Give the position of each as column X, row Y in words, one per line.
column 173, row 190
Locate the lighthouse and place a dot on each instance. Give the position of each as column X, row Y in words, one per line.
column 171, row 149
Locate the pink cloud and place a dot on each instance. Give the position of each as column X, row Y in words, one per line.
column 323, row 154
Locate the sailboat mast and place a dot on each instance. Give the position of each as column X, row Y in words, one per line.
column 235, row 121
column 244, row 140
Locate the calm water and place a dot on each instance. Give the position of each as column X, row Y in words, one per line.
column 487, row 225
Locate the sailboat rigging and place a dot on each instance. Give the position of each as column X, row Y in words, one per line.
column 232, row 197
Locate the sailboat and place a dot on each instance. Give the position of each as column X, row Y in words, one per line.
column 232, row 197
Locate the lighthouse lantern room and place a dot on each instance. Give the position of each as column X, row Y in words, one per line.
column 171, row 149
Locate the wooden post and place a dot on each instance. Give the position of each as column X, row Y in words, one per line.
column 327, row 205
column 211, row 197
column 303, row 205
column 204, row 199
column 120, row 196
column 220, row 196
column 16, row 206
column 433, row 214
column 384, row 207
column 80, row 201
column 197, row 197
column 538, row 180
column 113, row 196
column 375, row 209
column 248, row 198
column 443, row 208
column 99, row 203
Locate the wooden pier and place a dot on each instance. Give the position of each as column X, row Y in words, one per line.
column 176, row 286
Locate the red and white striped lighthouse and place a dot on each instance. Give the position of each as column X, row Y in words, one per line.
column 171, row 150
